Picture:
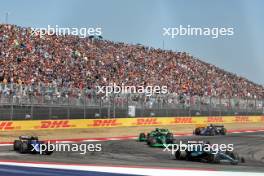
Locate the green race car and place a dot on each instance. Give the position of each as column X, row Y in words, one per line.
column 157, row 138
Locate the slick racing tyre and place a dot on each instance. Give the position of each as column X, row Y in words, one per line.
column 152, row 141
column 169, row 138
column 197, row 131
column 23, row 148
column 223, row 131
column 142, row 136
column 212, row 159
column 180, row 155
column 47, row 151
column 16, row 145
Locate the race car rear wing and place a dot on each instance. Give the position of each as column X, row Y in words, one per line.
column 217, row 126
column 28, row 138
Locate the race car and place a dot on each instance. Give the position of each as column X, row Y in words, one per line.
column 157, row 138
column 210, row 130
column 31, row 144
column 200, row 155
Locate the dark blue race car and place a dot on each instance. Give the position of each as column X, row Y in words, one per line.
column 31, row 144
column 210, row 130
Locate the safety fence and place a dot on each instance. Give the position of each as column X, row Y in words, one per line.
column 19, row 102
column 38, row 107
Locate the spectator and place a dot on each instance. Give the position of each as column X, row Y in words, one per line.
column 43, row 65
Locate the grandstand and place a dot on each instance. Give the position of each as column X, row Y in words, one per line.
column 46, row 73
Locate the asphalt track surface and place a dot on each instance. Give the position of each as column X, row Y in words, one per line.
column 133, row 153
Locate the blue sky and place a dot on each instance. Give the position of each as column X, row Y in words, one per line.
column 141, row 21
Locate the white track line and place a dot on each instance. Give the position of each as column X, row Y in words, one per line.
column 135, row 171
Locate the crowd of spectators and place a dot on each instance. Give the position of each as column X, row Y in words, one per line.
column 74, row 64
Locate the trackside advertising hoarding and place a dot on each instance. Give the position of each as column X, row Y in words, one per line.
column 123, row 122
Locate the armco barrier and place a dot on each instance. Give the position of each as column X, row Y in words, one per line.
column 122, row 122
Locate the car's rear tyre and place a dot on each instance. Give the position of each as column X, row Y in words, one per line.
column 223, row 131
column 152, row 141
column 47, row 151
column 212, row 159
column 148, row 135
column 180, row 155
column 197, row 131
column 169, row 138
column 242, row 160
column 23, row 148
column 16, row 145
column 142, row 136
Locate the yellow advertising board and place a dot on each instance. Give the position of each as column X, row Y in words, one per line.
column 122, row 122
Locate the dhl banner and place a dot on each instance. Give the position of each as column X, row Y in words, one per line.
column 123, row 122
